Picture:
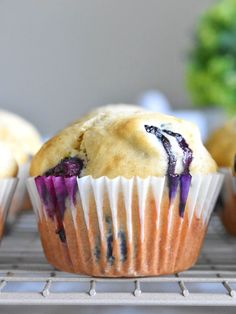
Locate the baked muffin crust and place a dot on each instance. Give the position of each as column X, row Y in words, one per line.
column 116, row 143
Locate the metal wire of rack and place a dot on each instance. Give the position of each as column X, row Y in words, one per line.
column 27, row 279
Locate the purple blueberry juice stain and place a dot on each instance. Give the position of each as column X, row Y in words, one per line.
column 173, row 178
column 47, row 193
column 184, row 179
column 55, row 187
column 188, row 154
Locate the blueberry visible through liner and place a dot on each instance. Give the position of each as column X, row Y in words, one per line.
column 110, row 256
column 123, row 245
column 97, row 250
column 68, row 167
column 62, row 235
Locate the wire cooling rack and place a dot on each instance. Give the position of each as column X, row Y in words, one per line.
column 26, row 278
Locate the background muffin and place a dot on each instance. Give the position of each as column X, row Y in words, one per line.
column 8, row 170
column 23, row 140
column 222, row 146
column 21, row 136
column 8, row 164
column 146, row 188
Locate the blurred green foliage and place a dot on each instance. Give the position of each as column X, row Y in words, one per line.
column 211, row 70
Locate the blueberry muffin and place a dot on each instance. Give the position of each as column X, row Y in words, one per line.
column 124, row 193
column 222, row 146
column 19, row 135
column 24, row 141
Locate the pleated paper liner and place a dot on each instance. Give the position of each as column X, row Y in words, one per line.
column 20, row 194
column 121, row 227
column 228, row 201
column 7, row 189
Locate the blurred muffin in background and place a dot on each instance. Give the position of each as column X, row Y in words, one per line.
column 8, row 164
column 22, row 138
column 222, row 146
column 8, row 181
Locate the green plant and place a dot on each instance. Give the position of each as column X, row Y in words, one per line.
column 211, row 70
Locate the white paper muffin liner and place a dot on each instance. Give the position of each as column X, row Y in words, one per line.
column 7, row 189
column 21, row 192
column 227, row 206
column 122, row 227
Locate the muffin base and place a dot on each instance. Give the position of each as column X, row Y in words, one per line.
column 161, row 252
column 119, row 227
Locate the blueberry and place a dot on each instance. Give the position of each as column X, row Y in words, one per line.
column 62, row 235
column 68, row 167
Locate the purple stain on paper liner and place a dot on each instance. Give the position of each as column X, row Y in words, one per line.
column 185, row 183
column 72, row 188
column 61, row 193
column 174, row 179
column 47, row 194
column 53, row 192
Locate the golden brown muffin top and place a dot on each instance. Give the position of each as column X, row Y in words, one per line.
column 222, row 144
column 122, row 143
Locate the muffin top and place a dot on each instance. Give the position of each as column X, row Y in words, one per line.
column 124, row 143
column 222, row 144
column 110, row 109
column 8, row 164
column 19, row 135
